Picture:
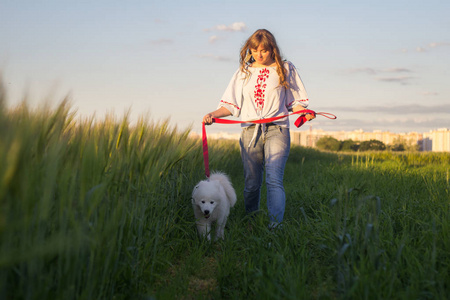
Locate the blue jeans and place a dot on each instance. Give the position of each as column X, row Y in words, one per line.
column 269, row 150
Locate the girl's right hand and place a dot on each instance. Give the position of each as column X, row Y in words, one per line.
column 207, row 119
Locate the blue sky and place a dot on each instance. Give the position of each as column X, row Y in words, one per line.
column 377, row 65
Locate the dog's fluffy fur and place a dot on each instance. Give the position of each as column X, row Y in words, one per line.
column 212, row 200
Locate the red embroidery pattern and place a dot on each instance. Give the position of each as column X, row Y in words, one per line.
column 230, row 104
column 303, row 100
column 260, row 88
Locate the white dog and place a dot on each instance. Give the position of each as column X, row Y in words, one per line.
column 212, row 200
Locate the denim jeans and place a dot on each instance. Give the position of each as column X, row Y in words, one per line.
column 269, row 150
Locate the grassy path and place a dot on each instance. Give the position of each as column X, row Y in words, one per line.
column 372, row 226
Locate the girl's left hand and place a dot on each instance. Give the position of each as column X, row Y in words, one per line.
column 309, row 117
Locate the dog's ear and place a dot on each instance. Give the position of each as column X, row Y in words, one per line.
column 194, row 190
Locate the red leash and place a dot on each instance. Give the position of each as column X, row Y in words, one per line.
column 299, row 122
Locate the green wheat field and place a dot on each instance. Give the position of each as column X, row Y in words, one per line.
column 95, row 209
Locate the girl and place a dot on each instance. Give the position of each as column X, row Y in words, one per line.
column 264, row 86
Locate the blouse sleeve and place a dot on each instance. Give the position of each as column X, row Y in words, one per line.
column 296, row 93
column 232, row 98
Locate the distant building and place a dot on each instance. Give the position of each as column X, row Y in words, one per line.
column 435, row 140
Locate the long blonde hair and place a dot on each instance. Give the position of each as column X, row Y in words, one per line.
column 267, row 40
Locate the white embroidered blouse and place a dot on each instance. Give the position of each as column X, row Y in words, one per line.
column 261, row 96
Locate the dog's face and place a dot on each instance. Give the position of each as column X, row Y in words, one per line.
column 207, row 206
column 205, row 198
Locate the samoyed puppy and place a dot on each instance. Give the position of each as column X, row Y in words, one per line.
column 211, row 200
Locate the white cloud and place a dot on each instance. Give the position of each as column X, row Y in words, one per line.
column 398, row 70
column 213, row 39
column 430, row 94
column 400, row 79
column 421, row 49
column 435, row 45
column 429, row 47
column 236, row 26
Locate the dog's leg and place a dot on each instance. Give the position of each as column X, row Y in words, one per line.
column 204, row 230
column 220, row 229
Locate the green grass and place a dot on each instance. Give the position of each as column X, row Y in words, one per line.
column 101, row 210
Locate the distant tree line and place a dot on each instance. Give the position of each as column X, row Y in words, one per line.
column 331, row 144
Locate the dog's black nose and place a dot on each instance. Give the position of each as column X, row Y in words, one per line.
column 206, row 212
